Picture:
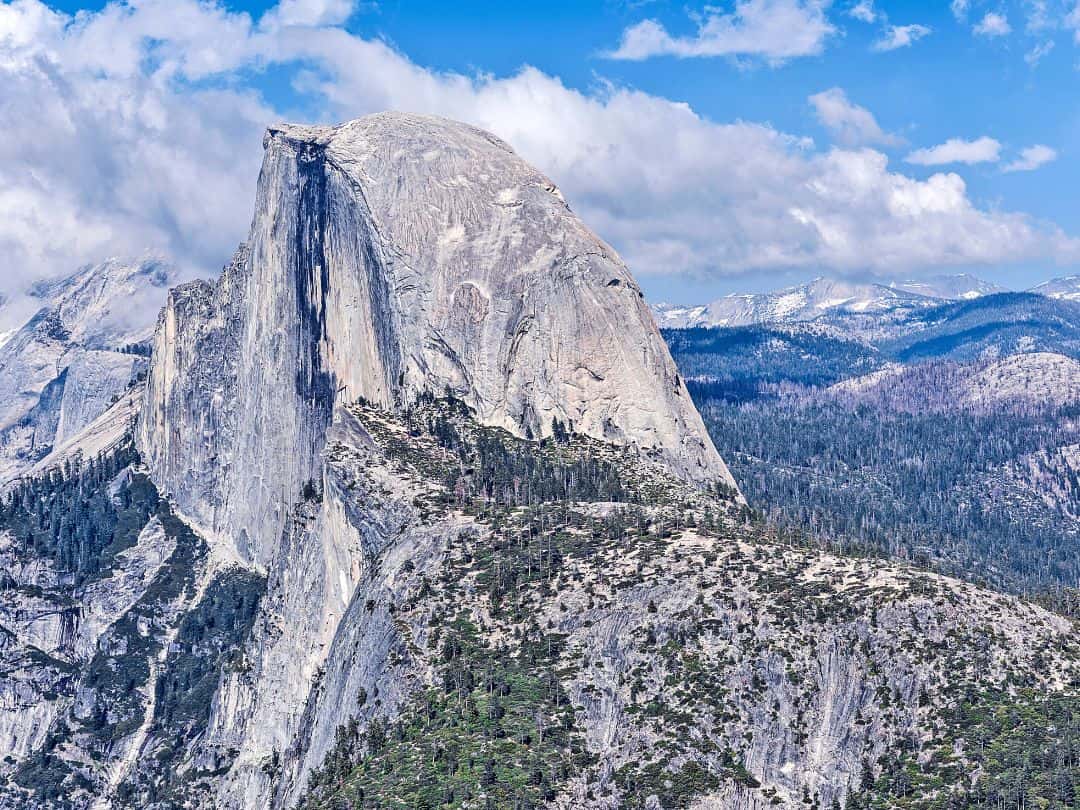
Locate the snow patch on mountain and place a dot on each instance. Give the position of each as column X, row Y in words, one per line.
column 804, row 302
column 1063, row 289
column 955, row 287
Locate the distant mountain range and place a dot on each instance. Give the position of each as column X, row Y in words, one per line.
column 993, row 325
column 805, row 302
column 75, row 356
column 872, row 304
column 733, row 363
column 958, row 287
column 922, row 427
column 1067, row 288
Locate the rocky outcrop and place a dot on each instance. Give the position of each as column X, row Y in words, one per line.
column 389, row 257
column 75, row 357
column 56, row 622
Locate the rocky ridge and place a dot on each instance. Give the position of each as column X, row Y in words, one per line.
column 1065, row 289
column 955, row 287
column 803, row 302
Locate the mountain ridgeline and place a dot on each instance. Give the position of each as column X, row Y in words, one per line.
column 77, row 355
column 412, row 508
column 947, row 436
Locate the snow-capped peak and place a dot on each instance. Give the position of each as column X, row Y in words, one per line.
column 1063, row 289
column 803, row 302
column 956, row 287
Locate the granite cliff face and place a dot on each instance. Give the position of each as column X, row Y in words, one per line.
column 70, row 361
column 388, row 257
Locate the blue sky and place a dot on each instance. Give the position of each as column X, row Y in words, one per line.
column 949, row 84
column 740, row 145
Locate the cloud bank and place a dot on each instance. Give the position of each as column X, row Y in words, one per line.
column 140, row 127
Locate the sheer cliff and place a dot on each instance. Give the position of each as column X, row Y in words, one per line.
column 388, row 257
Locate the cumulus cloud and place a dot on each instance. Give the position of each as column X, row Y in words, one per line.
column 958, row 150
column 309, row 12
column 775, row 30
column 109, row 145
column 993, row 25
column 1032, row 158
column 901, row 36
column 959, row 8
column 864, row 11
column 850, row 124
column 137, row 127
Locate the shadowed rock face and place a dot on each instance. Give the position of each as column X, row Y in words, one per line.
column 391, row 256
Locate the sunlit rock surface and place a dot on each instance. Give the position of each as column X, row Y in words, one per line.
column 83, row 348
column 390, row 256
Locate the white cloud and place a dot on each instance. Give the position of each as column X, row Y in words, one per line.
column 1036, row 54
column 1038, row 15
column 864, row 11
column 103, row 153
column 851, row 124
column 1072, row 22
column 993, row 25
column 775, row 30
column 1032, row 158
column 111, row 148
column 958, row 150
column 310, row 12
column 960, row 8
column 901, row 36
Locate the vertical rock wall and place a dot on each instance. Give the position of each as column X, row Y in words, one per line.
column 389, row 257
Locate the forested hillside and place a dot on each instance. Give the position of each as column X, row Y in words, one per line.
column 630, row 654
column 955, row 489
column 954, row 444
column 559, row 623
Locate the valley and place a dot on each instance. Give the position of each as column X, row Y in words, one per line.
column 948, row 439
